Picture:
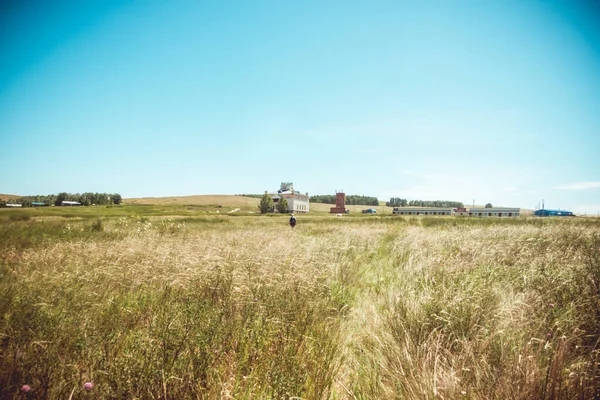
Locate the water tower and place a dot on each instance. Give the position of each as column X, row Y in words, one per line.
column 340, row 203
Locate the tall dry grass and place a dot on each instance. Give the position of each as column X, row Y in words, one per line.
column 244, row 307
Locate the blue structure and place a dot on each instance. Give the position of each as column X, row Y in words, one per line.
column 553, row 213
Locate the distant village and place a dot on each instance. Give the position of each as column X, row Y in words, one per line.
column 288, row 200
column 63, row 199
column 299, row 203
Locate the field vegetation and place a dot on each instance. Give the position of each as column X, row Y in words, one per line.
column 179, row 301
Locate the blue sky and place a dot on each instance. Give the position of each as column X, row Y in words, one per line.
column 497, row 101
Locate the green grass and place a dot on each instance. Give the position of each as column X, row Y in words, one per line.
column 175, row 302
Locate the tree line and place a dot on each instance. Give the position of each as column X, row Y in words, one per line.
column 398, row 202
column 86, row 199
column 353, row 199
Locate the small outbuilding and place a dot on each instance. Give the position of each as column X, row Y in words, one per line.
column 553, row 213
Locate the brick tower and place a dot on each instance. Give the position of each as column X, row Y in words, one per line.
column 340, row 203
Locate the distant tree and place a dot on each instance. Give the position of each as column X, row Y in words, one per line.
column 427, row 203
column 282, row 205
column 396, row 202
column 85, row 199
column 350, row 199
column 266, row 204
column 60, row 198
column 488, row 205
column 323, row 198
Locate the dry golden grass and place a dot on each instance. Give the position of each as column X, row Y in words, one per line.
column 203, row 200
column 7, row 197
column 245, row 307
column 354, row 209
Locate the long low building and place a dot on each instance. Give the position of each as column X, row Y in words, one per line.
column 494, row 212
column 472, row 212
column 421, row 211
column 70, row 203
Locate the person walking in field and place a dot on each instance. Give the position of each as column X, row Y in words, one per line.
column 292, row 221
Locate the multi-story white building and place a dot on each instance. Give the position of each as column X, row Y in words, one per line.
column 297, row 202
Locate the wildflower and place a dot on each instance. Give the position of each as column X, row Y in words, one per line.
column 25, row 388
column 88, row 386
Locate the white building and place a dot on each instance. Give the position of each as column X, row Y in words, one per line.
column 421, row 211
column 70, row 203
column 494, row 212
column 297, row 202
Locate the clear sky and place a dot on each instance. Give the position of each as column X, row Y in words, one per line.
column 497, row 101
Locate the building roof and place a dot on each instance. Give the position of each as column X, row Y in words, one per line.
column 495, row 209
column 423, row 208
column 411, row 208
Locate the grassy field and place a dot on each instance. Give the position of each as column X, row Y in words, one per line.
column 244, row 204
column 178, row 301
